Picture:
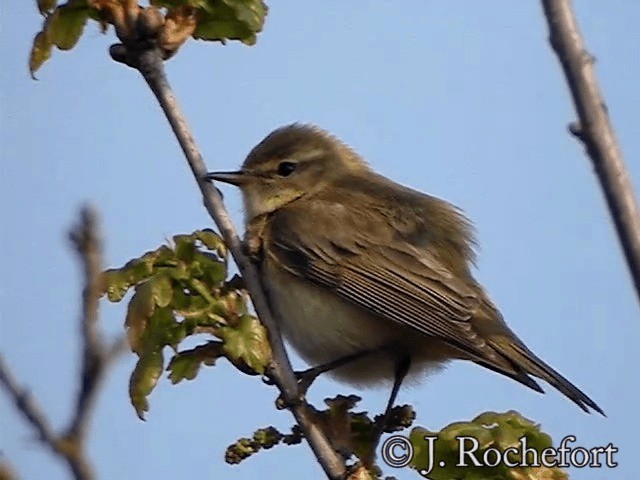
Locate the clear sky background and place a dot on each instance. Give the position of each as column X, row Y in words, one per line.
column 463, row 100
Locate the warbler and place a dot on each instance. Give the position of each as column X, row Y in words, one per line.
column 367, row 277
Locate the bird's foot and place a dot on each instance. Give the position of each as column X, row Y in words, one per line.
column 305, row 379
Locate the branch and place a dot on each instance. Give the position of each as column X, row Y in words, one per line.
column 96, row 356
column 27, row 405
column 96, row 359
column 148, row 60
column 6, row 470
column 595, row 130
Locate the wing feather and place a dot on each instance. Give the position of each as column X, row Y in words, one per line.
column 409, row 286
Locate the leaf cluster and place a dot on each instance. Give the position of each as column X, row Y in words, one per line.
column 353, row 433
column 263, row 438
column 498, row 431
column 180, row 291
column 169, row 22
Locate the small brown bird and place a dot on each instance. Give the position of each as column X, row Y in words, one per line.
column 369, row 277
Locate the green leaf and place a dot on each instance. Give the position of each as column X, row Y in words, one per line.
column 221, row 20
column 231, row 305
column 118, row 281
column 209, row 268
column 185, row 365
column 212, row 241
column 116, row 284
column 40, row 52
column 162, row 330
column 247, row 343
column 155, row 292
column 251, row 12
column 188, row 305
column 66, row 24
column 221, row 30
column 185, row 247
column 232, row 19
column 162, row 290
column 144, row 378
column 139, row 311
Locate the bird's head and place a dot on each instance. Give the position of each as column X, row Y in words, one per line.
column 290, row 163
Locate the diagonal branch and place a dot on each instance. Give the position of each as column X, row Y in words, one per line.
column 96, row 359
column 70, row 451
column 27, row 405
column 148, row 61
column 595, row 130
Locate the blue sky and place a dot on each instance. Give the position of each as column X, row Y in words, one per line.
column 463, row 100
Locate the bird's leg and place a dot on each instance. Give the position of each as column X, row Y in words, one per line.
column 307, row 377
column 401, row 369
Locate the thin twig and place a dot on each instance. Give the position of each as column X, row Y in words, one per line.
column 595, row 130
column 148, row 61
column 85, row 239
column 27, row 405
column 96, row 358
column 71, row 452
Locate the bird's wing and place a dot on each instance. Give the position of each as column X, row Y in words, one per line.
column 357, row 256
column 359, row 260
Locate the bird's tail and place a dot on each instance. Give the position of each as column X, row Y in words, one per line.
column 525, row 363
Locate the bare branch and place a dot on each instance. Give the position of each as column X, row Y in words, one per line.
column 595, row 130
column 85, row 239
column 149, row 62
column 115, row 349
column 6, row 470
column 33, row 413
column 96, row 358
column 27, row 405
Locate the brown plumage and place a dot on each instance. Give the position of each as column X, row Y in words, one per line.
column 352, row 261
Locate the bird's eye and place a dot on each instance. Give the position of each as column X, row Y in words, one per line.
column 286, row 168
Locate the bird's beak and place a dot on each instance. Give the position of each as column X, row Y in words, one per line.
column 234, row 178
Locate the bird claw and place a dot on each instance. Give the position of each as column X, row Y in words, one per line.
column 305, row 379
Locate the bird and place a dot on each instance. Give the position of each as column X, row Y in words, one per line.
column 371, row 281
